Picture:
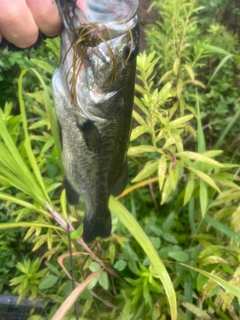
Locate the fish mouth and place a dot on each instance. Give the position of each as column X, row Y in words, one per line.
column 107, row 12
column 118, row 16
column 95, row 29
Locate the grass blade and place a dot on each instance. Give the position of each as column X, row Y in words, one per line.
column 28, row 147
column 224, row 284
column 131, row 224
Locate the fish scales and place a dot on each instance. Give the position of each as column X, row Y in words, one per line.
column 95, row 128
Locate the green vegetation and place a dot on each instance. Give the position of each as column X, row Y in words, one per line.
column 175, row 248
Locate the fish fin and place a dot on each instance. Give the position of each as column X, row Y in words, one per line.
column 71, row 194
column 121, row 182
column 60, row 133
column 97, row 227
column 90, row 135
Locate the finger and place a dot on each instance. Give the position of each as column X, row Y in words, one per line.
column 17, row 24
column 46, row 16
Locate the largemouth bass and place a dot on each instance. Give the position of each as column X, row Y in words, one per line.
column 93, row 90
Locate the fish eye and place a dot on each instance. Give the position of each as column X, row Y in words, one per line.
column 130, row 52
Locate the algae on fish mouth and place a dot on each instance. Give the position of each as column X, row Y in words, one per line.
column 91, row 35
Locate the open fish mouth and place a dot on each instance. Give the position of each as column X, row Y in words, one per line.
column 107, row 12
column 116, row 15
column 99, row 25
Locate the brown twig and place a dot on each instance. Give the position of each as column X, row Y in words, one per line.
column 66, row 225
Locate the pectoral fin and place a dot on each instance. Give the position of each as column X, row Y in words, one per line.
column 71, row 194
column 121, row 183
column 90, row 135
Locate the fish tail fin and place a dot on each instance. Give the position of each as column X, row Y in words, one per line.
column 97, row 226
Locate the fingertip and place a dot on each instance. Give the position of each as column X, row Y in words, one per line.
column 17, row 24
column 46, row 16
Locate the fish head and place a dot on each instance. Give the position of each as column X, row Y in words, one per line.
column 98, row 51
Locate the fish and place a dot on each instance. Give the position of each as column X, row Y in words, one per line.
column 93, row 93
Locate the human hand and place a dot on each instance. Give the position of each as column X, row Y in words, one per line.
column 21, row 20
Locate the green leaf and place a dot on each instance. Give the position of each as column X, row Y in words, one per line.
column 103, row 280
column 51, row 115
column 188, row 190
column 222, row 228
column 201, row 139
column 212, row 153
column 120, row 265
column 139, row 119
column 234, row 119
column 180, row 121
column 92, row 283
column 28, row 148
column 52, row 268
column 198, row 157
column 203, row 195
column 189, row 71
column 196, row 311
column 164, row 93
column 224, row 179
column 203, row 176
column 133, row 151
column 44, row 65
column 212, row 260
column 162, row 167
column 48, row 282
column 138, row 131
column 112, row 252
column 176, row 66
column 75, row 234
column 214, row 49
column 18, row 174
column 179, row 256
column 167, row 189
column 94, row 266
column 87, row 307
column 24, row 224
column 170, row 238
column 149, row 168
column 235, row 290
column 221, row 64
column 131, row 224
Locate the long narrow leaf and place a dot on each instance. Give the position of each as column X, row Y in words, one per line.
column 28, row 147
column 52, row 115
column 61, row 312
column 131, row 224
column 224, row 284
column 25, row 224
column 222, row 228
